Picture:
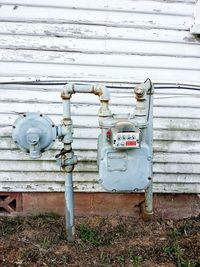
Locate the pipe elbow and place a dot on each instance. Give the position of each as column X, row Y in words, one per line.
column 102, row 91
column 67, row 91
column 141, row 90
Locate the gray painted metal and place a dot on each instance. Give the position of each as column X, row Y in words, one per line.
column 69, row 207
column 34, row 133
column 125, row 171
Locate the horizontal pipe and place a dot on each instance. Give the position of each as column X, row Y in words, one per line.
column 72, row 88
column 83, row 88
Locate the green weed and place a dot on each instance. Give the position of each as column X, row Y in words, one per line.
column 175, row 251
column 136, row 260
column 104, row 258
column 89, row 235
column 120, row 260
column 10, row 225
column 64, row 259
column 45, row 243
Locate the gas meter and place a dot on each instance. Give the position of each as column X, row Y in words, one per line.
column 124, row 159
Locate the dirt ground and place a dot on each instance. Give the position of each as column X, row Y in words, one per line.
column 111, row 241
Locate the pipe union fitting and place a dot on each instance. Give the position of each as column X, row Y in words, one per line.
column 67, row 91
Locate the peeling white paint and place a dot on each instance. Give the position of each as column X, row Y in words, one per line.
column 105, row 40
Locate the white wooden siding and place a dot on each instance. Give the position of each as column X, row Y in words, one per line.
column 110, row 41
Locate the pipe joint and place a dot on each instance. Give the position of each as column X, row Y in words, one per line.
column 67, row 91
column 142, row 90
column 102, row 91
column 139, row 93
column 65, row 133
column 104, row 110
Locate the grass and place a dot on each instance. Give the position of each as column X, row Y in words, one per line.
column 89, row 235
column 136, row 261
column 174, row 249
column 10, row 225
column 120, row 242
column 94, row 236
column 45, row 243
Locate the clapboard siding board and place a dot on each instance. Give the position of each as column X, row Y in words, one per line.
column 92, row 187
column 165, row 135
column 159, row 146
column 91, row 156
column 29, row 166
column 80, row 110
column 182, row 8
column 88, row 177
column 57, row 70
column 94, row 17
column 107, row 40
column 191, row 100
column 95, row 32
column 103, row 46
column 92, row 122
column 126, row 61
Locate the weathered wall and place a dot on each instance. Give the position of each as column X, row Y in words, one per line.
column 113, row 41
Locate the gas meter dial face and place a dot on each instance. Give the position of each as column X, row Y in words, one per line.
column 126, row 140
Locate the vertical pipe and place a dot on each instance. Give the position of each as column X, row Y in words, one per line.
column 69, row 194
column 69, row 208
column 149, row 198
column 149, row 141
column 66, row 109
column 67, row 138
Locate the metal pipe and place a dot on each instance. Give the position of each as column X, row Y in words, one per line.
column 83, row 88
column 69, row 208
column 141, row 97
column 98, row 89
column 149, row 141
column 67, row 158
column 66, row 109
column 149, row 198
column 66, row 132
column 144, row 114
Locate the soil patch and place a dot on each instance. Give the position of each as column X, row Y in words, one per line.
column 100, row 241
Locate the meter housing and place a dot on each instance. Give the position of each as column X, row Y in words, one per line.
column 124, row 158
